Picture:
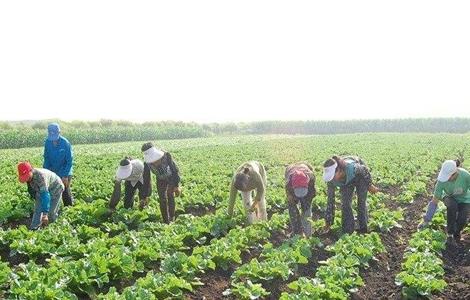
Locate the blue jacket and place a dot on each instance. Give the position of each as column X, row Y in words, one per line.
column 58, row 158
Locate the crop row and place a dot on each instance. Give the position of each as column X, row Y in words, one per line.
column 84, row 259
column 179, row 272
column 339, row 276
column 422, row 268
column 274, row 264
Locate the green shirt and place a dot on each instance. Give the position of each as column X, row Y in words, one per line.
column 350, row 170
column 458, row 189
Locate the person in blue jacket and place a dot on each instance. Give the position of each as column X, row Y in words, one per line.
column 58, row 158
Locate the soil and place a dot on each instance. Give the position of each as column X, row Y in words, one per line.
column 13, row 260
column 17, row 223
column 379, row 279
column 457, row 271
column 199, row 210
column 216, row 282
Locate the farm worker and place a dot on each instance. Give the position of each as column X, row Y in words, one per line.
column 58, row 158
column 453, row 187
column 164, row 167
column 46, row 188
column 300, row 188
column 131, row 171
column 249, row 177
column 347, row 173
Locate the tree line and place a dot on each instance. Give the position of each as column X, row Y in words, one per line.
column 32, row 133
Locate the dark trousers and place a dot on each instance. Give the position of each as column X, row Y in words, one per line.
column 129, row 192
column 67, row 197
column 347, row 216
column 457, row 216
column 166, row 197
column 300, row 222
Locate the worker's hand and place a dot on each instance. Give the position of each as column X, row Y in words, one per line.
column 373, row 189
column 423, row 225
column 326, row 229
column 44, row 220
column 177, row 191
column 65, row 180
column 253, row 206
column 143, row 203
column 110, row 211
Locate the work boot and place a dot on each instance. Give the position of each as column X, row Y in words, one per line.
column 458, row 241
column 362, row 230
column 450, row 242
column 143, row 203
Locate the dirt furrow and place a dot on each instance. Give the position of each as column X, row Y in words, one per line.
column 379, row 279
column 457, row 271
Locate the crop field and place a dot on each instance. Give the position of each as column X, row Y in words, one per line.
column 89, row 254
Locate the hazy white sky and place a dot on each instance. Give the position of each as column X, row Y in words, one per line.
column 234, row 60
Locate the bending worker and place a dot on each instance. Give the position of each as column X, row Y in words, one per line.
column 348, row 173
column 249, row 177
column 46, row 189
column 300, row 188
column 452, row 187
column 131, row 171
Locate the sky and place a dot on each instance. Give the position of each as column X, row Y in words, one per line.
column 234, row 61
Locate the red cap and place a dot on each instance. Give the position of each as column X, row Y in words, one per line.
column 299, row 179
column 24, row 168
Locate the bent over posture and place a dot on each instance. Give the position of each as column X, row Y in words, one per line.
column 131, row 171
column 46, row 189
column 300, row 188
column 348, row 173
column 166, row 171
column 452, row 187
column 249, row 177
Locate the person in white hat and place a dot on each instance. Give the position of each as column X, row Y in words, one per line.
column 300, row 189
column 249, row 177
column 348, row 173
column 453, row 187
column 165, row 169
column 131, row 171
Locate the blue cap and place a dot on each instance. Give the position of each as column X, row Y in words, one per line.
column 53, row 132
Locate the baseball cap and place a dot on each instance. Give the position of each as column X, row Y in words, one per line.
column 299, row 181
column 448, row 168
column 24, row 168
column 53, row 132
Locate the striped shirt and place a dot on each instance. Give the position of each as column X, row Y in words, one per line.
column 166, row 169
column 163, row 170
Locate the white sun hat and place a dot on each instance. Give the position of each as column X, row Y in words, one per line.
column 448, row 168
column 152, row 154
column 329, row 172
column 124, row 172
